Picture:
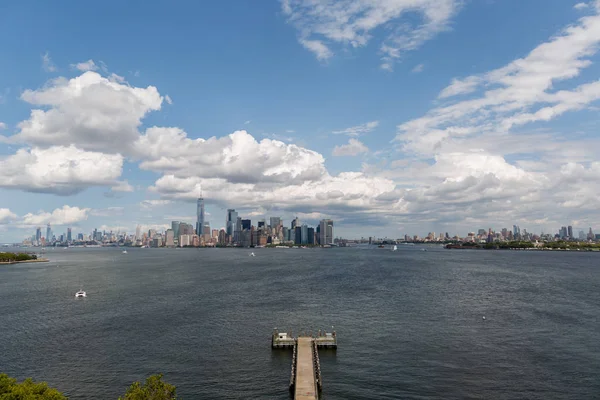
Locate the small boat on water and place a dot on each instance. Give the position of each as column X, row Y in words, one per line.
column 381, row 246
column 81, row 293
column 252, row 254
column 394, row 248
column 124, row 251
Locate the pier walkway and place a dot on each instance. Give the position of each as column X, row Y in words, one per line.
column 306, row 381
column 305, row 377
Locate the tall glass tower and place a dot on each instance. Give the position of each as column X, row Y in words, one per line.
column 200, row 216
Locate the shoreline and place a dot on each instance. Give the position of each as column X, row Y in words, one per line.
column 39, row 260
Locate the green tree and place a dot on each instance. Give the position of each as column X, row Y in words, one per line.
column 153, row 389
column 10, row 389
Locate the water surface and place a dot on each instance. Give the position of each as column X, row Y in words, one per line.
column 409, row 323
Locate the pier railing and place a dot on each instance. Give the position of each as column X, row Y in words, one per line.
column 293, row 373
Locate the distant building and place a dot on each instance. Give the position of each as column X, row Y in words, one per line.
column 304, row 232
column 318, row 234
column 311, row 235
column 275, row 222
column 261, row 238
column 295, row 223
column 237, row 229
column 246, row 224
column 200, row 216
column 185, row 240
column 246, row 238
column 170, row 238
column 230, row 221
column 298, row 235
column 69, row 236
column 186, row 229
column 326, row 232
column 285, row 233
column 48, row 233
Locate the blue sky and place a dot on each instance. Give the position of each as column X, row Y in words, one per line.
column 389, row 116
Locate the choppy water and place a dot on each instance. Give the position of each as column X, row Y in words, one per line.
column 409, row 323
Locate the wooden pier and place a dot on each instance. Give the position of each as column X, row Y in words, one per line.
column 305, row 377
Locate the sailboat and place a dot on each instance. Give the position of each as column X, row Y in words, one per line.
column 252, row 254
column 394, row 248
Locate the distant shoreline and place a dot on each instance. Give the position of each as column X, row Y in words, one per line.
column 39, row 260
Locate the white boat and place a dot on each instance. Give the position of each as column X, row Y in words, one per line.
column 81, row 293
column 252, row 255
column 124, row 251
column 395, row 248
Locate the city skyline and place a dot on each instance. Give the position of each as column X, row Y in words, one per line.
column 389, row 118
column 240, row 231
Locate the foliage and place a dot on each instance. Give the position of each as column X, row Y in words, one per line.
column 10, row 257
column 153, row 389
column 10, row 389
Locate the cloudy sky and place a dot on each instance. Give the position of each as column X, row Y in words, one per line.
column 389, row 116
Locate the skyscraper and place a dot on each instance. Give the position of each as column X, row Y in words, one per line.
column 298, row 235
column 48, row 233
column 570, row 232
column 275, row 222
column 238, row 229
column 295, row 222
column 38, row 235
column 231, row 221
column 200, row 216
column 311, row 235
column 326, row 232
column 175, row 226
column 304, row 230
column 69, row 237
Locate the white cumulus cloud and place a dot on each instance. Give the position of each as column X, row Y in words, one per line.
column 122, row 186
column 90, row 111
column 88, row 65
column 61, row 216
column 6, row 216
column 352, row 148
column 59, row 170
column 169, row 150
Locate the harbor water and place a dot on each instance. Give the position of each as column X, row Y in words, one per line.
column 409, row 322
